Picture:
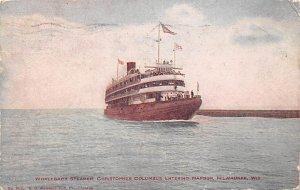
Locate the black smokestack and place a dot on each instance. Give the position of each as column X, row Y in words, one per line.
column 130, row 66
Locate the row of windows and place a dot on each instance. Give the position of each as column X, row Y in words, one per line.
column 146, row 85
column 124, row 84
column 157, row 95
column 137, row 78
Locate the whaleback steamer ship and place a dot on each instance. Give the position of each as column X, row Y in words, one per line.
column 157, row 94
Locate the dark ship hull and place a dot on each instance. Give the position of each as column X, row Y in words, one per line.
column 182, row 109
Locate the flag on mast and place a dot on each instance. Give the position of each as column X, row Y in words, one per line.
column 120, row 62
column 167, row 30
column 177, row 47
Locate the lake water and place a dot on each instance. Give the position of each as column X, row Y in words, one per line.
column 82, row 149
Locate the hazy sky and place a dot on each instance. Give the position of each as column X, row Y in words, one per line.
column 63, row 53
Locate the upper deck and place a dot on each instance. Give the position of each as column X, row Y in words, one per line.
column 134, row 77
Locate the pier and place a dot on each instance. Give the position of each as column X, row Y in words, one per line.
column 250, row 113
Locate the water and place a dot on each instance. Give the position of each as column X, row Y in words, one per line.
column 83, row 143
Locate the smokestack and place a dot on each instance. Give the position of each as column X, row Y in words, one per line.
column 130, row 66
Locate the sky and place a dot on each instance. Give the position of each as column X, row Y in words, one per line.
column 244, row 54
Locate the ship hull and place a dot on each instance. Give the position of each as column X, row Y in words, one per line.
column 182, row 109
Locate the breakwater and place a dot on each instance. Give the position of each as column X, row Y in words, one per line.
column 250, row 113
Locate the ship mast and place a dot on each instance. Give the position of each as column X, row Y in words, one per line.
column 174, row 56
column 165, row 30
column 158, row 44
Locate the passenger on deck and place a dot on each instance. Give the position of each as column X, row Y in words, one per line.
column 192, row 94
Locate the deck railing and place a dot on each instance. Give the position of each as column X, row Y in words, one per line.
column 141, row 76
